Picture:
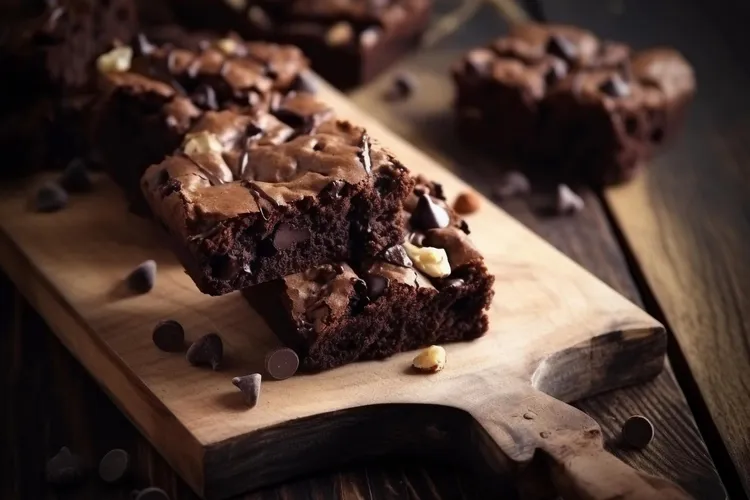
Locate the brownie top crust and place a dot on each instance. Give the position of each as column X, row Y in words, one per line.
column 232, row 164
column 327, row 293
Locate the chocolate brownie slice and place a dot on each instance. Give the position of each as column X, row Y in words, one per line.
column 248, row 200
column 145, row 111
column 433, row 288
column 349, row 42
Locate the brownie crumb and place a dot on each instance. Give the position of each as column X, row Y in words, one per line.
column 75, row 178
column 467, row 203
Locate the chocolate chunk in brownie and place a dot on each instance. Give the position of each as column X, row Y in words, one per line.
column 411, row 295
column 248, row 200
column 348, row 42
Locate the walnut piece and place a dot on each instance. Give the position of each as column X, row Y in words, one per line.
column 430, row 260
column 430, row 360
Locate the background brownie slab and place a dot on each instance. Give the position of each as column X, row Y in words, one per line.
column 145, row 113
column 47, row 52
column 249, row 200
column 332, row 315
column 572, row 107
column 348, row 42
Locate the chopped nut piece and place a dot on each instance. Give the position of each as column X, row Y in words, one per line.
column 227, row 45
column 467, row 203
column 431, row 261
column 201, row 143
column 430, row 360
column 340, row 34
column 116, row 60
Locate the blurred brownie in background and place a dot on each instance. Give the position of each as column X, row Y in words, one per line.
column 47, row 52
column 569, row 106
column 348, row 42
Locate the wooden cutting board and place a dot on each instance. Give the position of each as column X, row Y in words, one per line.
column 554, row 329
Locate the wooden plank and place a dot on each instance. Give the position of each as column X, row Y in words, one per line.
column 194, row 418
column 686, row 218
column 425, row 120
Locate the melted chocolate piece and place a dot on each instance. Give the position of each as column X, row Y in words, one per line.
column 376, row 285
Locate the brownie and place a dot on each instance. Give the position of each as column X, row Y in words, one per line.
column 335, row 314
column 348, row 42
column 570, row 107
column 248, row 200
column 47, row 52
column 500, row 87
column 145, row 112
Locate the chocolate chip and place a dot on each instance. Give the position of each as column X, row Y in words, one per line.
column 369, row 37
column 249, row 385
column 287, row 236
column 50, row 197
column 560, row 46
column 335, row 189
column 64, row 469
column 397, row 256
column 75, row 178
column 513, row 183
column 556, row 72
column 428, row 214
column 143, row 46
column 143, row 277
column 114, row 466
column 567, row 201
column 152, row 493
column 169, row 336
column 282, row 363
column 416, row 239
column 376, row 285
column 615, row 86
column 454, row 283
column 364, row 153
column 402, row 86
column 206, row 351
column 304, row 83
column 464, row 227
column 205, row 97
column 637, row 432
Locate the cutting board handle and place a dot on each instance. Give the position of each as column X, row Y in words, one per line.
column 528, row 425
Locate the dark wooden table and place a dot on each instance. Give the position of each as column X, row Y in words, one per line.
column 676, row 241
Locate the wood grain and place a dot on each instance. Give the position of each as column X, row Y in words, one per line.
column 425, row 120
column 196, row 419
column 686, row 219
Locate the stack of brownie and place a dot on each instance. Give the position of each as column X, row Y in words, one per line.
column 348, row 41
column 571, row 107
column 263, row 189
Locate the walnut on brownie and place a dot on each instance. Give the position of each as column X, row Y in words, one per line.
column 146, row 109
column 348, row 42
column 573, row 107
column 431, row 288
column 248, row 199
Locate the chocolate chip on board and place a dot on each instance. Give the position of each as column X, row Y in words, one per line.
column 282, row 363
column 50, row 197
column 114, row 466
column 206, row 351
column 64, row 469
column 152, row 493
column 75, row 178
column 305, row 83
column 513, row 183
column 169, row 336
column 567, row 201
column 143, row 277
column 402, row 87
column 637, row 432
column 249, row 386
